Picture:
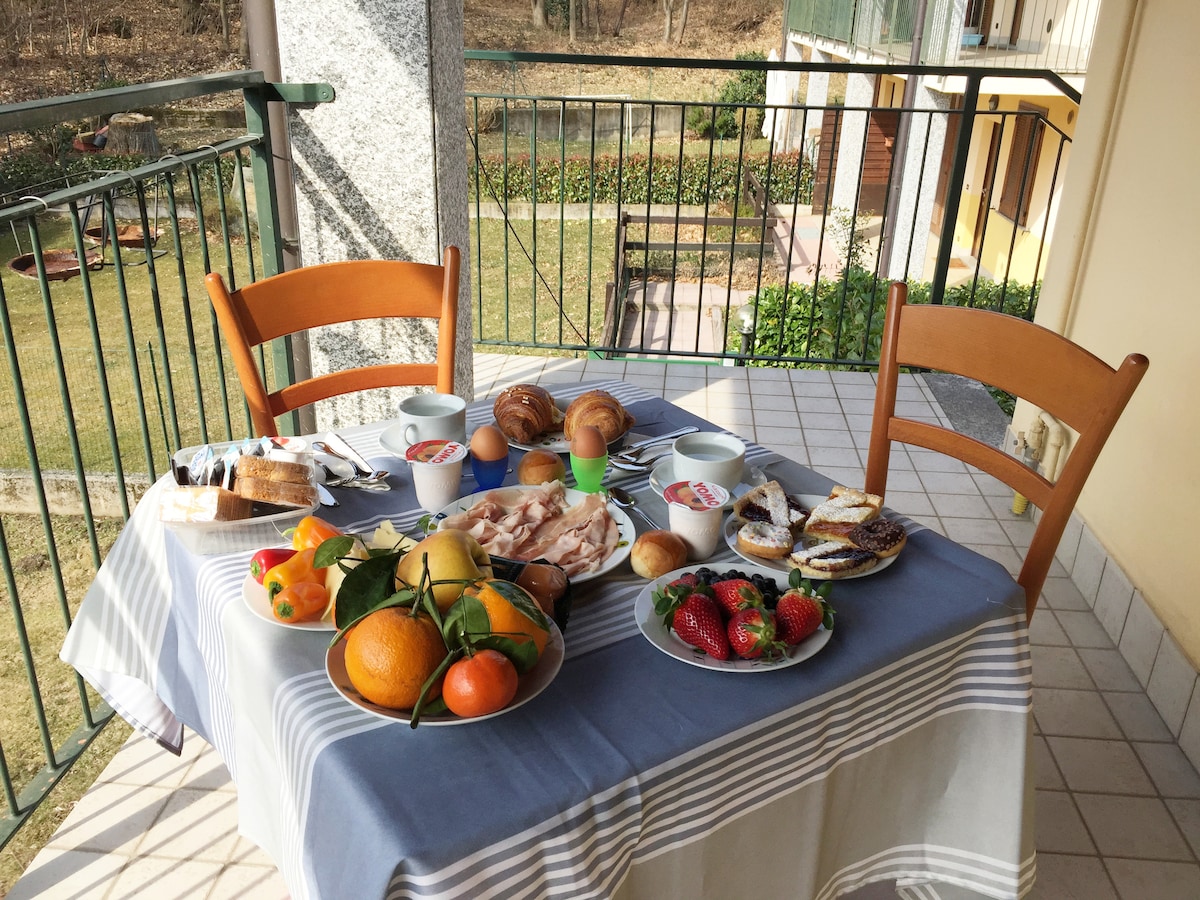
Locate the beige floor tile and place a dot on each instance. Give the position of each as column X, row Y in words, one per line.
column 1145, row 880
column 200, row 825
column 1137, row 717
column 1133, row 827
column 1100, row 766
column 1044, row 629
column 1187, row 817
column 249, row 883
column 1109, row 669
column 154, row 878
column 1045, row 770
column 1170, row 770
column 1083, row 629
column 68, row 875
column 1060, row 828
column 1073, row 713
column 1059, row 667
column 1061, row 593
column 1071, row 878
column 111, row 818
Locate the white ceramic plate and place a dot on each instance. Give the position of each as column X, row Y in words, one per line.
column 392, row 440
column 664, row 639
column 734, row 523
column 554, row 439
column 626, row 533
column 254, row 595
column 663, row 476
column 531, row 684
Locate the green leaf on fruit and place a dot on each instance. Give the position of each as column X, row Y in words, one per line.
column 331, row 550
column 368, row 586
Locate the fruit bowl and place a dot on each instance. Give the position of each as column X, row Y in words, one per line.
column 531, row 684
column 664, row 639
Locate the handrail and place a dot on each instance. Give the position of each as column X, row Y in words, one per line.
column 762, row 65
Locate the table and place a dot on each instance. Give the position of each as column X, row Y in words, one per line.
column 891, row 763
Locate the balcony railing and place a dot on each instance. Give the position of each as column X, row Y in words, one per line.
column 1050, row 34
column 599, row 226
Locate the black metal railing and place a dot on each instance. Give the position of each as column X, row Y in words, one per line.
column 747, row 241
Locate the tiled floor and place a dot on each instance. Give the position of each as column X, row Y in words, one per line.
column 1118, row 803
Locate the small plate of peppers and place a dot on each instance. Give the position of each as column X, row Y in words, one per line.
column 284, row 587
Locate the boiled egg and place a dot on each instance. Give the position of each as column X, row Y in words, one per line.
column 588, row 443
column 488, row 443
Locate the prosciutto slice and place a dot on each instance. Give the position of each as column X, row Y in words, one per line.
column 538, row 523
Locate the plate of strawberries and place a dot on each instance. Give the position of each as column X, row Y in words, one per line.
column 743, row 620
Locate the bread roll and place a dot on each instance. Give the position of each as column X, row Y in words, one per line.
column 602, row 411
column 656, row 553
column 540, row 466
column 524, row 412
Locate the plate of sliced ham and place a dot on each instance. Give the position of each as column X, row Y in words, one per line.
column 580, row 532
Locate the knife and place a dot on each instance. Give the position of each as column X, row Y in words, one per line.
column 338, row 443
column 669, row 436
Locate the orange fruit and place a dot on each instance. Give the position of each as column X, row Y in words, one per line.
column 390, row 655
column 512, row 611
column 480, row 684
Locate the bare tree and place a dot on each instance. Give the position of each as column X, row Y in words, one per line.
column 572, row 15
column 620, row 18
column 192, row 16
column 668, row 8
column 539, row 13
column 683, row 17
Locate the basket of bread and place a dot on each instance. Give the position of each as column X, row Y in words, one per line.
column 239, row 495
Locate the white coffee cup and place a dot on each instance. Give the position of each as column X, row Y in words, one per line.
column 695, row 509
column 433, row 417
column 437, row 472
column 709, row 456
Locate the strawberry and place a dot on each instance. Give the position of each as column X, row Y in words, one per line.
column 737, row 593
column 698, row 622
column 752, row 634
column 799, row 613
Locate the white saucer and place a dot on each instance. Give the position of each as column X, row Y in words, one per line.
column 663, row 475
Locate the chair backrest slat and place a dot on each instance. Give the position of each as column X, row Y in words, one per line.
column 1024, row 359
column 328, row 294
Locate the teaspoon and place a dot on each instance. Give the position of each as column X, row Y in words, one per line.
column 625, row 500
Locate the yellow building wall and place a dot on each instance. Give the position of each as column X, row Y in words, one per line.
column 1119, row 281
column 1020, row 255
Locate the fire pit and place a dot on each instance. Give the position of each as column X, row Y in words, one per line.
column 60, row 264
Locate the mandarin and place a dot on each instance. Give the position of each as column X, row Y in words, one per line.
column 480, row 684
column 512, row 611
column 390, row 654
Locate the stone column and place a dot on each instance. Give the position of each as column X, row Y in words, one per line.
column 918, row 185
column 860, row 91
column 816, row 97
column 380, row 172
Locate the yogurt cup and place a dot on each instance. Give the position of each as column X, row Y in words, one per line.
column 695, row 509
column 437, row 472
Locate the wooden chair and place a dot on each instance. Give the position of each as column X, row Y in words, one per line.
column 1024, row 359
column 323, row 295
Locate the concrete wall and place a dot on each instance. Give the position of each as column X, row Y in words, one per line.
column 380, row 172
column 1117, row 282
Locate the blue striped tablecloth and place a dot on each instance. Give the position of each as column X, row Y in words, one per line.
column 896, row 757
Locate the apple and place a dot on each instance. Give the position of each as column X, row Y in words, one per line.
column 452, row 554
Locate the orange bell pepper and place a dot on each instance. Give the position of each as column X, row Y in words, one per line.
column 311, row 531
column 304, row 602
column 297, row 570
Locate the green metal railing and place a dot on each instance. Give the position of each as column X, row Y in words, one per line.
column 744, row 247
column 110, row 366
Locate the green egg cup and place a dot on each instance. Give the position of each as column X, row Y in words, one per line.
column 589, row 473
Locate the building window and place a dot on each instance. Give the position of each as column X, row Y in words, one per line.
column 1021, row 171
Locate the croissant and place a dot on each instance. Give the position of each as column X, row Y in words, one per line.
column 598, row 408
column 525, row 411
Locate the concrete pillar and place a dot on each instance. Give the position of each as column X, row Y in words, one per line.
column 918, row 185
column 380, row 172
column 816, row 97
column 860, row 91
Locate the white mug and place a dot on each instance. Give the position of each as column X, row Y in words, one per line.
column 709, row 456
column 432, row 417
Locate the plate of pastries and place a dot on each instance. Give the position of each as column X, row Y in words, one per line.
column 842, row 535
column 531, row 419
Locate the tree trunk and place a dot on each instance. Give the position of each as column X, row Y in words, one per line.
column 620, row 18
column 191, row 16
column 572, row 15
column 683, row 16
column 223, row 14
column 539, row 13
column 668, row 7
column 132, row 133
